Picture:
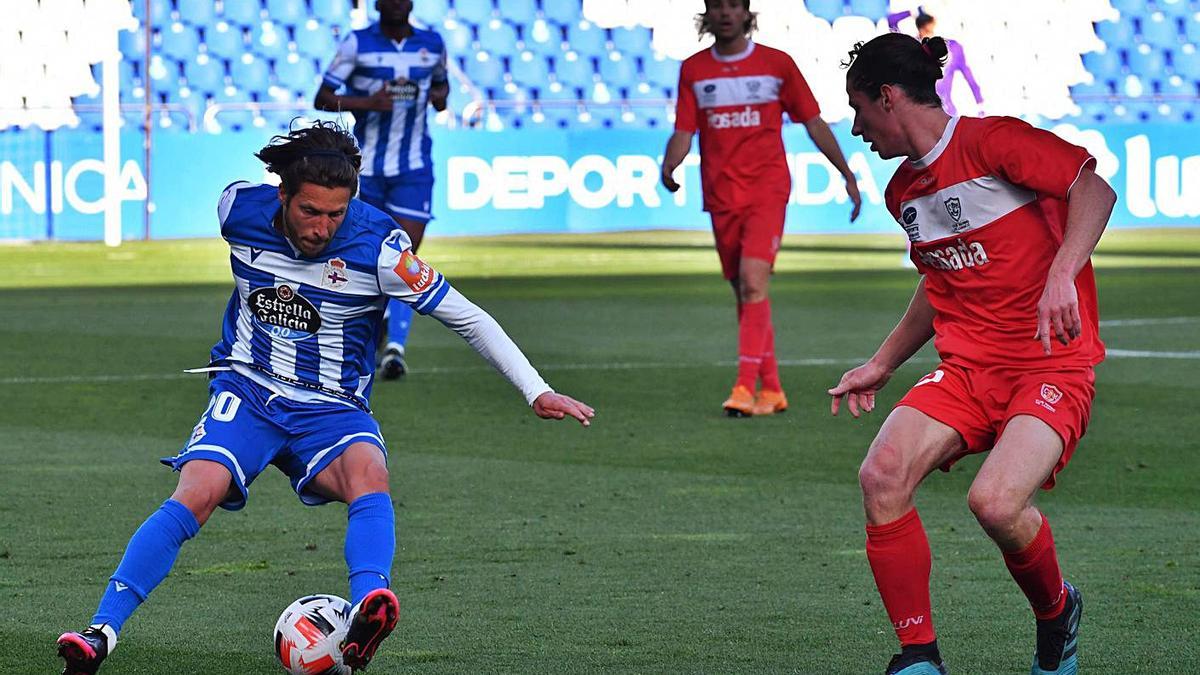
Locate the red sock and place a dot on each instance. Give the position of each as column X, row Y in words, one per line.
column 768, row 371
column 900, row 560
column 753, row 324
column 1035, row 569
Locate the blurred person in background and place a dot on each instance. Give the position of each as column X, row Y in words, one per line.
column 734, row 94
column 956, row 61
column 386, row 75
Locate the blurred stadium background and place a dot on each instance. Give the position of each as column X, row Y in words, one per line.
column 200, row 84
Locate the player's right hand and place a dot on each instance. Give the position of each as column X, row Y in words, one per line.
column 381, row 100
column 554, row 406
column 668, row 180
column 858, row 386
column 855, row 198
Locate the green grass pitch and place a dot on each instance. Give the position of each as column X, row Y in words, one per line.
column 664, row 539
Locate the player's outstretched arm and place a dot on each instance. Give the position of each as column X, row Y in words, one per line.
column 823, row 138
column 1089, row 205
column 859, row 385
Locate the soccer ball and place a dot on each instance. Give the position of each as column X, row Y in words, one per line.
column 308, row 634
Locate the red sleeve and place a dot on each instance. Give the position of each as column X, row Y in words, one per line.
column 685, row 103
column 797, row 99
column 1032, row 158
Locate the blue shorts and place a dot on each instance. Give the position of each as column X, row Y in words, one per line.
column 399, row 197
column 246, row 427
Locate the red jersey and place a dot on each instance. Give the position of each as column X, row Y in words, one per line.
column 985, row 211
column 737, row 103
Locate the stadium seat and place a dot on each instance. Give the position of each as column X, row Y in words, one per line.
column 1103, row 65
column 250, row 74
column 225, row 41
column 163, row 74
column 458, row 36
column 287, row 12
column 179, row 41
column 1160, row 31
column 1177, row 87
column 601, row 117
column 430, row 12
column 872, row 9
column 617, row 70
column 132, row 44
column 1146, row 60
column 529, row 69
column 161, row 11
column 498, row 37
column 485, row 70
column 1191, row 30
column 632, row 41
column 826, row 9
column 563, row 12
column 1179, row 8
column 331, row 12
column 1187, row 65
column 654, row 117
column 1129, row 7
column 586, row 38
column 204, row 74
column 315, row 41
column 245, row 13
column 476, row 11
column 1097, row 88
column 298, row 73
column 240, row 116
column 544, row 38
column 269, row 40
column 1116, row 34
column 574, row 72
column 520, row 12
column 198, row 13
column 660, row 70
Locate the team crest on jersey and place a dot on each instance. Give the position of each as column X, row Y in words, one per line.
column 954, row 208
column 283, row 312
column 1051, row 394
column 334, row 276
column 414, row 272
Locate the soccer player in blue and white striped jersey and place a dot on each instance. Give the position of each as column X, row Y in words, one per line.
column 387, row 74
column 291, row 378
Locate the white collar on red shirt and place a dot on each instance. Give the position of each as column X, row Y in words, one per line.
column 733, row 57
column 931, row 156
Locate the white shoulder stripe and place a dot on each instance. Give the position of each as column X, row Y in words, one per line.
column 960, row 208
column 305, row 272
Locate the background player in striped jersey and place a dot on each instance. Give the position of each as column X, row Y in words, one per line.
column 291, row 377
column 1003, row 219
column 734, row 94
column 389, row 73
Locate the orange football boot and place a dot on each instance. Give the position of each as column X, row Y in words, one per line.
column 769, row 402
column 740, row 402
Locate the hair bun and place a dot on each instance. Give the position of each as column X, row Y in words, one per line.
column 935, row 47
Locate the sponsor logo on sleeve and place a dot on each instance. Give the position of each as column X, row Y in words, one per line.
column 334, row 276
column 911, row 227
column 414, row 272
column 198, row 433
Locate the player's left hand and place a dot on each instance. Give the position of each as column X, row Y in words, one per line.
column 1058, row 312
column 855, row 197
column 553, row 406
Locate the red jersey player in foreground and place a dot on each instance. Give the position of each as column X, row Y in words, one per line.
column 1003, row 219
column 735, row 94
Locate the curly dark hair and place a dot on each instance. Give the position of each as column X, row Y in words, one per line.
column 324, row 154
column 704, row 26
column 895, row 58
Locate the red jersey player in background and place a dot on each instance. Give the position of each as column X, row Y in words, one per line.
column 735, row 94
column 1003, row 219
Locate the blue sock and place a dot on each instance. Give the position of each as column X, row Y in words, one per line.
column 148, row 558
column 370, row 543
column 399, row 321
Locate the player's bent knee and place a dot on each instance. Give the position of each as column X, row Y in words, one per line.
column 996, row 510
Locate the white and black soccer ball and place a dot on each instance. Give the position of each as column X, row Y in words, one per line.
column 308, row 634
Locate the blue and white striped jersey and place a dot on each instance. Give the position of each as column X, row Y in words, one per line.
column 393, row 143
column 313, row 323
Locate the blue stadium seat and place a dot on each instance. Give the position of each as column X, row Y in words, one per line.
column 498, row 37
column 430, row 12
column 654, row 117
column 643, row 91
column 1179, row 8
column 660, row 70
column 1095, row 110
column 132, row 44
column 872, row 9
column 1130, row 7
column 163, row 74
column 287, row 12
column 634, row 40
column 1105, row 66
column 544, row 37
column 315, row 41
column 237, row 118
column 586, row 38
column 1191, row 30
column 298, row 73
column 602, row 116
column 242, row 13
column 1177, row 87
column 1115, row 34
column 250, row 74
column 198, row 13
column 179, row 41
column 485, row 72
column 1145, row 60
column 520, row 12
column 617, row 70
column 576, row 72
column 331, row 12
column 826, row 9
column 475, row 11
column 130, row 79
column 458, row 36
column 269, row 40
column 529, row 69
column 161, row 11
column 225, row 41
column 204, row 73
column 1187, row 65
column 557, row 92
column 1160, row 31
column 564, row 12
column 1097, row 88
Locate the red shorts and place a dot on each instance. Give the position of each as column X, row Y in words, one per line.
column 978, row 403
column 749, row 232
